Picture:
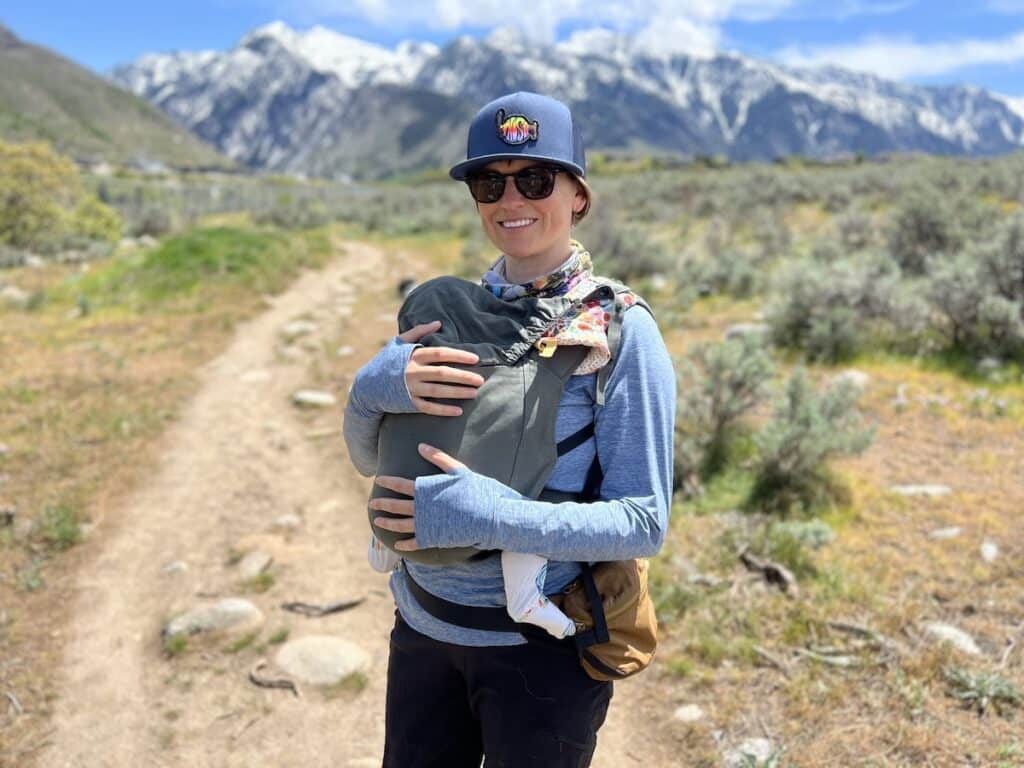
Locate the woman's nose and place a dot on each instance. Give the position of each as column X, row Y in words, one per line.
column 511, row 195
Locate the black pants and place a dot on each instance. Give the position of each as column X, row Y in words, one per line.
column 525, row 706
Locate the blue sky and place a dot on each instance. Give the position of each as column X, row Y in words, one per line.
column 980, row 42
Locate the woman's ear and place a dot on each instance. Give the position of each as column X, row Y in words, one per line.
column 580, row 203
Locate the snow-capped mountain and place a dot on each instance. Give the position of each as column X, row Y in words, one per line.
column 322, row 103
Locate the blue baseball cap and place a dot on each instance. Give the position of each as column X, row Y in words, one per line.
column 523, row 124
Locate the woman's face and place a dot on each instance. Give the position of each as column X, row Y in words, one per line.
column 533, row 234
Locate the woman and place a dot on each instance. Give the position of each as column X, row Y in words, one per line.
column 456, row 694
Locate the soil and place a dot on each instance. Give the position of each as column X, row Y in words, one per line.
column 240, row 456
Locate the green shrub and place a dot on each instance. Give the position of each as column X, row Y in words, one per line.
column 818, row 308
column 922, row 226
column 95, row 221
column 152, row 220
column 717, row 384
column 976, row 319
column 43, row 205
column 1002, row 259
column 770, row 232
column 289, row 214
column 38, row 187
column 623, row 252
column 830, row 309
column 794, row 447
column 855, row 229
column 59, row 527
column 981, row 690
column 732, row 272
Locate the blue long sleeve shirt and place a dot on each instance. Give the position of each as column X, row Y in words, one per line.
column 633, row 438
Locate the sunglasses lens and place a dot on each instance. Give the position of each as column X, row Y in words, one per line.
column 487, row 187
column 535, row 183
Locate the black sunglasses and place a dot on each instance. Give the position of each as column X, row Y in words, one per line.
column 534, row 183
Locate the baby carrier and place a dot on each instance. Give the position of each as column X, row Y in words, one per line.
column 507, row 431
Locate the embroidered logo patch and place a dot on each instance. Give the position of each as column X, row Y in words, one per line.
column 516, row 129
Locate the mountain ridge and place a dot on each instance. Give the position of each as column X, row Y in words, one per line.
column 299, row 85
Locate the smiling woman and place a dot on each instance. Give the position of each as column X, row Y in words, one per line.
column 482, row 664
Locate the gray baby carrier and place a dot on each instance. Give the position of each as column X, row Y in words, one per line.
column 507, row 431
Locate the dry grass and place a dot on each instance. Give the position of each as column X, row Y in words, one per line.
column 882, row 571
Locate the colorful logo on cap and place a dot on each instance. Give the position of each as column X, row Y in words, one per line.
column 516, row 129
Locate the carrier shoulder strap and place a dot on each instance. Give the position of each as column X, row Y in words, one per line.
column 615, row 333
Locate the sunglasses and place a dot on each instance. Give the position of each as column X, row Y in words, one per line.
column 534, row 183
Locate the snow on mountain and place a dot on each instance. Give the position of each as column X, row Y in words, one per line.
column 305, row 101
column 351, row 60
column 1015, row 104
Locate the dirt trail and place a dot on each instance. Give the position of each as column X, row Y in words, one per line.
column 238, row 458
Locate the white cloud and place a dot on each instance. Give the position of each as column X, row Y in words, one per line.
column 679, row 34
column 900, row 58
column 676, row 24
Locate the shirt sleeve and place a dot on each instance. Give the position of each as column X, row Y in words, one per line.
column 378, row 388
column 634, row 431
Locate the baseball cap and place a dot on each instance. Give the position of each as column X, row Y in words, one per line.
column 523, row 125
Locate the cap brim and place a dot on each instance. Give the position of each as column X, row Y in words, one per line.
column 460, row 171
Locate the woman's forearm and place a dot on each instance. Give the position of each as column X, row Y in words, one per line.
column 378, row 388
column 467, row 509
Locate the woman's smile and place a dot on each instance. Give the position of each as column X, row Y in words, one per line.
column 516, row 223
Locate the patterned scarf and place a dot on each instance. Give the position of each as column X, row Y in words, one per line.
column 573, row 278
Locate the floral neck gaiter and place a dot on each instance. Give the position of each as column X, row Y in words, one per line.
column 573, row 277
column 557, row 283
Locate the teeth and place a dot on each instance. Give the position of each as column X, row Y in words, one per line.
column 515, row 223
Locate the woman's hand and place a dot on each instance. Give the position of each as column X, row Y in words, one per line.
column 426, row 375
column 407, row 507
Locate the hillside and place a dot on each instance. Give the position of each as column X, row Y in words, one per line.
column 44, row 96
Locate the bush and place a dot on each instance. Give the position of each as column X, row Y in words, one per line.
column 731, row 272
column 305, row 214
column 1002, row 260
column 718, row 383
column 152, row 220
column 96, row 221
column 806, row 430
column 830, row 309
column 771, row 233
column 37, row 189
column 856, row 230
column 922, row 226
column 59, row 526
column 978, row 320
column 43, row 205
column 624, row 252
column 476, row 256
column 817, row 308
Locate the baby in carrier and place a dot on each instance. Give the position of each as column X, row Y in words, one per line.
column 524, row 574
